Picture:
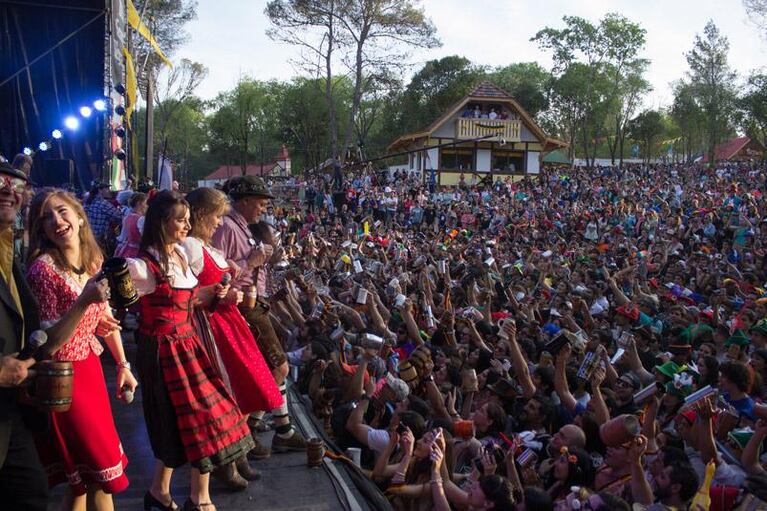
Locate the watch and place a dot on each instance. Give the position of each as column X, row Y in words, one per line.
column 123, row 365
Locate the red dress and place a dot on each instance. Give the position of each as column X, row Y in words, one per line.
column 82, row 446
column 252, row 383
column 190, row 415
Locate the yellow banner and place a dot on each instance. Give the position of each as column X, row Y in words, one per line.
column 134, row 20
column 131, row 85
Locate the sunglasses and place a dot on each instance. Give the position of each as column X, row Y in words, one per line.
column 14, row 183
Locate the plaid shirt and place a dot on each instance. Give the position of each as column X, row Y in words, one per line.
column 101, row 214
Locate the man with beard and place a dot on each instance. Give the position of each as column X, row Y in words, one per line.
column 625, row 388
column 675, row 484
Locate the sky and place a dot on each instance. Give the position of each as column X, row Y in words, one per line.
column 229, row 36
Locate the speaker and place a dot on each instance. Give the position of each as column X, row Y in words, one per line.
column 55, row 172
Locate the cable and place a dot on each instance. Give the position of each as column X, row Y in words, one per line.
column 49, row 50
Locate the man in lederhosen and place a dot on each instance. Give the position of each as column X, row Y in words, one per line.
column 250, row 198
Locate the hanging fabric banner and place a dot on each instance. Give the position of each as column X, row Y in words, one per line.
column 131, row 85
column 134, row 20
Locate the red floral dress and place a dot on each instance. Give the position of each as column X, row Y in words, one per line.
column 82, row 446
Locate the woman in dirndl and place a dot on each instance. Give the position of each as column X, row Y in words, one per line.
column 190, row 415
column 244, row 367
column 82, row 446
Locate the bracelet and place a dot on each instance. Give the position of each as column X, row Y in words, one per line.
column 123, row 365
column 436, row 481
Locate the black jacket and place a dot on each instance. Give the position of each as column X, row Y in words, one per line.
column 11, row 323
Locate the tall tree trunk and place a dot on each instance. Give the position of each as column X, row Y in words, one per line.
column 332, row 121
column 357, row 98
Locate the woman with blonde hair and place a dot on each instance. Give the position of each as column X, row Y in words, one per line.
column 83, row 447
column 248, row 375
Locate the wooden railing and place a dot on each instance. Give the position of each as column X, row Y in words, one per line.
column 469, row 128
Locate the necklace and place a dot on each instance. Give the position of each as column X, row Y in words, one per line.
column 77, row 271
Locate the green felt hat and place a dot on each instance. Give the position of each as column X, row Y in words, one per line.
column 741, row 436
column 739, row 338
column 680, row 391
column 668, row 369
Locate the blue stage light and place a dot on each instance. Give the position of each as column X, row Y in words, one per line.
column 44, row 146
column 85, row 111
column 72, row 122
column 27, row 151
column 100, row 105
column 57, row 134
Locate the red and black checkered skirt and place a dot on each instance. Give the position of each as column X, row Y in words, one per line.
column 190, row 415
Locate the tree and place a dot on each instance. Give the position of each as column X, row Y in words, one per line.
column 689, row 118
column 166, row 20
column 173, row 90
column 371, row 39
column 608, row 65
column 312, row 26
column 712, row 83
column 526, row 82
column 646, row 128
column 757, row 12
column 753, row 107
column 436, row 87
column 244, row 121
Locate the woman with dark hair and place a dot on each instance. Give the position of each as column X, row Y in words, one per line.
column 573, row 467
column 83, row 447
column 245, row 369
column 708, row 367
column 189, row 413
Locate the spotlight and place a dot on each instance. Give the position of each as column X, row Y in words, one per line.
column 120, row 131
column 120, row 110
column 72, row 122
column 57, row 134
column 44, row 146
column 27, row 151
column 100, row 105
column 120, row 154
column 85, row 111
column 120, row 89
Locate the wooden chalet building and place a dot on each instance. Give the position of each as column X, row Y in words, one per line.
column 487, row 132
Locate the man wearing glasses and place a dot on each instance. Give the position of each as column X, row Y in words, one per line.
column 23, row 483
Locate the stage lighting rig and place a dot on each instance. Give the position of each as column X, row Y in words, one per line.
column 72, row 122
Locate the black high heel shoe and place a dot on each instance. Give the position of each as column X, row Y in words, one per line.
column 202, row 506
column 150, row 502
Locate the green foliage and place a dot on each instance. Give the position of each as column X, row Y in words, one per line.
column 753, row 107
column 526, row 82
column 597, row 79
column 712, row 84
column 646, row 128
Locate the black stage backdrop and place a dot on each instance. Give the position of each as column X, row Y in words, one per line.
column 51, row 64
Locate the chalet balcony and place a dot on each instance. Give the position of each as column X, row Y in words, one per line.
column 467, row 128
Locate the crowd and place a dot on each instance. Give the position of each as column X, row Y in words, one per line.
column 588, row 339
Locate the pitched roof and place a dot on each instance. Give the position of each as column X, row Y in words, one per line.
column 227, row 171
column 727, row 150
column 485, row 90
column 489, row 90
column 283, row 154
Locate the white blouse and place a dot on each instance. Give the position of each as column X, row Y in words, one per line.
column 143, row 278
column 193, row 249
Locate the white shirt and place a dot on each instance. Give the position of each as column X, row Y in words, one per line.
column 143, row 278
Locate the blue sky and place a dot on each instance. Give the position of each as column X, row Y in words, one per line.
column 229, row 36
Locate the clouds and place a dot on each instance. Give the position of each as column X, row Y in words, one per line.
column 229, row 36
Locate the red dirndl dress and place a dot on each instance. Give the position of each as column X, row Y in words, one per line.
column 190, row 415
column 252, row 383
column 81, row 446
